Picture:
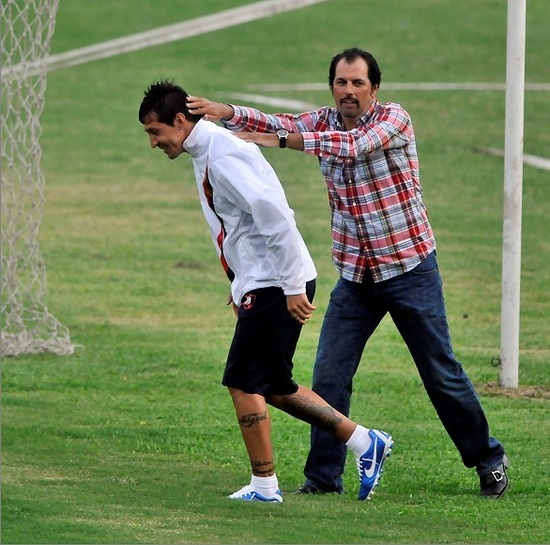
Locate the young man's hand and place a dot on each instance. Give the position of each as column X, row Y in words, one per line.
column 299, row 307
column 233, row 305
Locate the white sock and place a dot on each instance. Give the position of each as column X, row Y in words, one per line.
column 267, row 486
column 360, row 441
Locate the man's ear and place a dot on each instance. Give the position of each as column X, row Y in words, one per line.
column 179, row 120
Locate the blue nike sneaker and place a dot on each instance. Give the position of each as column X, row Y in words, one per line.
column 247, row 493
column 370, row 463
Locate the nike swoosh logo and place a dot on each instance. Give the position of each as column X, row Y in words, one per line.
column 369, row 472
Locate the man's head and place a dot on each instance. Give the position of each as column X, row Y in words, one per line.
column 354, row 79
column 166, row 117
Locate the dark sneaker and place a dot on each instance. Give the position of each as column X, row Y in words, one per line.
column 307, row 488
column 495, row 483
column 370, row 464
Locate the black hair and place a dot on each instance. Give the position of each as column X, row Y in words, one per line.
column 375, row 76
column 165, row 100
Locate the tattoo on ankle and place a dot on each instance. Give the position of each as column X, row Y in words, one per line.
column 248, row 420
column 262, row 468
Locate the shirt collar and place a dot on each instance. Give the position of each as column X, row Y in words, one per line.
column 196, row 140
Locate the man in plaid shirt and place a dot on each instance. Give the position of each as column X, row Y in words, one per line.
column 384, row 250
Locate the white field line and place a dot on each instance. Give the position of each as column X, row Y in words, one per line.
column 159, row 36
column 277, row 102
column 531, row 160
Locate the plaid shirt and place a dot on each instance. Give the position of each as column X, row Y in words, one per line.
column 379, row 221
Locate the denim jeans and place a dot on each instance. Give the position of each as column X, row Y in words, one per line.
column 415, row 302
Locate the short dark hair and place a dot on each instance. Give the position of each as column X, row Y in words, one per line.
column 165, row 100
column 375, row 76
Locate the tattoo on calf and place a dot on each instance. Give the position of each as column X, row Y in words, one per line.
column 303, row 408
column 248, row 420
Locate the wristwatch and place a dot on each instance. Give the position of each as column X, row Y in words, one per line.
column 283, row 135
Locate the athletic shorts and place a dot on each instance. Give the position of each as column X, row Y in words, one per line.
column 265, row 339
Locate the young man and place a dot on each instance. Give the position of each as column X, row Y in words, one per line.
column 272, row 285
column 384, row 250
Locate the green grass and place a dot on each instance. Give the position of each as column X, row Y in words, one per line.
column 133, row 439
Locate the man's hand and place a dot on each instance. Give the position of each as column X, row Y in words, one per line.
column 299, row 307
column 212, row 111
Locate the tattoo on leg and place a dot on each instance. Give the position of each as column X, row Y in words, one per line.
column 303, row 408
column 262, row 468
column 248, row 420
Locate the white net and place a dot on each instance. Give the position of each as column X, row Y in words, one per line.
column 27, row 327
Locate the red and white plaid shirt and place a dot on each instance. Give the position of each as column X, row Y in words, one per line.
column 379, row 221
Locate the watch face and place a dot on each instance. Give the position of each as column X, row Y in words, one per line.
column 282, row 134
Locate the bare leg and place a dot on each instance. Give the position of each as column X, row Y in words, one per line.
column 306, row 405
column 255, row 424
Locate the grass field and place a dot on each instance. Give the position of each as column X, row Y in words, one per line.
column 132, row 439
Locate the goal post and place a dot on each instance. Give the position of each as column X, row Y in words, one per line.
column 26, row 325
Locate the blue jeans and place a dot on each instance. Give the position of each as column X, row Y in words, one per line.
column 415, row 302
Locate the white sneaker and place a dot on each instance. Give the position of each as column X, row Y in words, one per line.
column 247, row 493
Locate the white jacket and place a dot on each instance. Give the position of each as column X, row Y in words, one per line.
column 251, row 223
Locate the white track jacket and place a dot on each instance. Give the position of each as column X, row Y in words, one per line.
column 251, row 224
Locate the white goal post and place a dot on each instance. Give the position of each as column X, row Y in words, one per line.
column 27, row 327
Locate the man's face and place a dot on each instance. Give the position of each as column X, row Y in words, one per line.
column 168, row 138
column 352, row 90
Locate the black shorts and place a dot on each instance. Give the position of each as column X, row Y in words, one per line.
column 265, row 339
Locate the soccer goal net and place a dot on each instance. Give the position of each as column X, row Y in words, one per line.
column 27, row 327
